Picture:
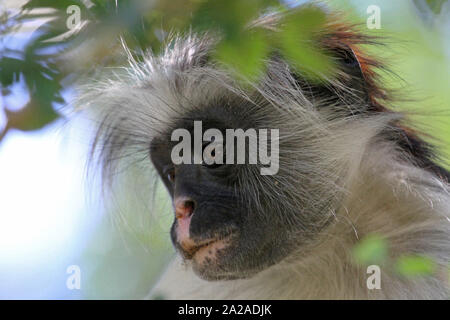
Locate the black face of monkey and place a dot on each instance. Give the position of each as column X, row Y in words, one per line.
column 224, row 222
column 230, row 221
column 223, row 234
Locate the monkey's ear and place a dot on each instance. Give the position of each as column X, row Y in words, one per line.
column 349, row 85
column 349, row 63
column 352, row 71
column 349, row 59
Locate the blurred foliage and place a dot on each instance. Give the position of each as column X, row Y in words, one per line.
column 131, row 246
column 372, row 249
column 415, row 265
column 54, row 55
column 301, row 27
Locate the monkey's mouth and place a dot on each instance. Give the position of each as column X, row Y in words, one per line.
column 205, row 248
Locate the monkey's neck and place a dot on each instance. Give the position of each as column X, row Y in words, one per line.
column 407, row 206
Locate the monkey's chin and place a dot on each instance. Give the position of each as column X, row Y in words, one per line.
column 209, row 255
column 217, row 272
column 212, row 263
column 207, row 260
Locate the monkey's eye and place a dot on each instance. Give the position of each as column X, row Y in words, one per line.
column 169, row 172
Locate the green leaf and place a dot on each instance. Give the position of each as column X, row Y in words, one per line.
column 244, row 55
column 415, row 265
column 10, row 70
column 33, row 116
column 228, row 16
column 305, row 20
column 44, row 90
column 299, row 43
column 370, row 250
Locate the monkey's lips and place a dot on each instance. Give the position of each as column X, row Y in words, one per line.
column 200, row 251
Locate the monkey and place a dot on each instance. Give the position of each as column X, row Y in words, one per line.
column 349, row 166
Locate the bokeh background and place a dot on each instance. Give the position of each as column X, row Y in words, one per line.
column 52, row 216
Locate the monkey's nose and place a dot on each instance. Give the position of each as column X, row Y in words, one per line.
column 184, row 207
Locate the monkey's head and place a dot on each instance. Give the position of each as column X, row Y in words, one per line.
column 230, row 220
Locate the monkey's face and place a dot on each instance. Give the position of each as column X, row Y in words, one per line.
column 218, row 227
column 230, row 220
